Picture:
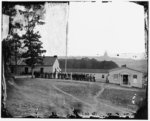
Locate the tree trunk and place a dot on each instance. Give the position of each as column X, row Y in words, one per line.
column 32, row 71
column 4, row 87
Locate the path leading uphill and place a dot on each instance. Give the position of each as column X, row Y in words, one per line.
column 98, row 105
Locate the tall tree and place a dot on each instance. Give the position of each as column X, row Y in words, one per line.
column 31, row 38
column 10, row 46
column 7, row 9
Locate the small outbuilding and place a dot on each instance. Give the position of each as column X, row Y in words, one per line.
column 125, row 76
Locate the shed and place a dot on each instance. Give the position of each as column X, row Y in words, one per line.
column 126, row 77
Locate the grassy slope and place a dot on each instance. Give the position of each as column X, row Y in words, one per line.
column 24, row 99
column 85, row 92
column 26, row 95
column 122, row 97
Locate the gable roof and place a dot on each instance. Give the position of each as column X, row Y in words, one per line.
column 74, row 70
column 115, row 69
column 47, row 61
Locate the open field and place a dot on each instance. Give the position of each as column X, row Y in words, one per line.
column 44, row 96
column 122, row 97
column 85, row 92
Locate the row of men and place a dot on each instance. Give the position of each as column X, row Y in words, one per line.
column 77, row 76
column 83, row 77
column 72, row 76
column 45, row 75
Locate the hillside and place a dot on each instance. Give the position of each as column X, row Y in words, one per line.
column 86, row 63
column 135, row 64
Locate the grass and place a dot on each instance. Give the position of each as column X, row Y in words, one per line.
column 29, row 94
column 25, row 96
column 86, row 92
column 122, row 97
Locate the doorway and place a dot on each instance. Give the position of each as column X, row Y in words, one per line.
column 125, row 79
column 26, row 70
column 42, row 70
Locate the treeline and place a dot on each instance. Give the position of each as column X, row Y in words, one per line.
column 87, row 63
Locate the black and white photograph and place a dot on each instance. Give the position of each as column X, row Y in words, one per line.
column 78, row 59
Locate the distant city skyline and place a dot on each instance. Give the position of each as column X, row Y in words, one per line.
column 135, row 56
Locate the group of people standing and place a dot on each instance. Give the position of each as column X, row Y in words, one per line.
column 71, row 76
column 83, row 77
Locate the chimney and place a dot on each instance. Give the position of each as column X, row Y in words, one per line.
column 55, row 56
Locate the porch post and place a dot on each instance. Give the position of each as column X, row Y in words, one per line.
column 120, row 78
column 129, row 81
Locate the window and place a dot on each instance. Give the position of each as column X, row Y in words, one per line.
column 115, row 76
column 42, row 70
column 103, row 76
column 135, row 76
column 26, row 70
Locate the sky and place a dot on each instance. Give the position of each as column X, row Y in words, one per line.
column 113, row 27
column 93, row 28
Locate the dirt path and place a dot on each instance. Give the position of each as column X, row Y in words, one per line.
column 98, row 94
column 97, row 103
column 71, row 96
column 97, row 106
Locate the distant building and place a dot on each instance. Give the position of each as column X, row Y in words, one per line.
column 126, row 77
column 105, row 56
column 50, row 65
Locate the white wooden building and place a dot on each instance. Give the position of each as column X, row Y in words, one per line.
column 126, row 77
column 50, row 65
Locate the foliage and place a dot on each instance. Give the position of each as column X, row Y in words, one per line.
column 8, row 8
column 87, row 64
column 12, row 44
column 31, row 37
column 10, row 47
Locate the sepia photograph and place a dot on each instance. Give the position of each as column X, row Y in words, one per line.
column 74, row 59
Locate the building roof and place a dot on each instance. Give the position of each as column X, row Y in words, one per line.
column 115, row 69
column 47, row 61
column 73, row 70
